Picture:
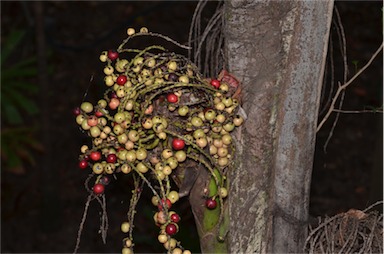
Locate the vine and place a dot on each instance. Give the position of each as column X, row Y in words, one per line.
column 158, row 112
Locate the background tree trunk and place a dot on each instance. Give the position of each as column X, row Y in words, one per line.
column 278, row 51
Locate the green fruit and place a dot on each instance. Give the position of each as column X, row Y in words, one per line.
column 87, row 107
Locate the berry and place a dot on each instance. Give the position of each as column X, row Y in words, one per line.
column 98, row 114
column 111, row 158
column 215, row 83
column 98, row 188
column 178, row 144
column 112, row 54
column 105, row 180
column 95, row 156
column 83, row 164
column 76, row 111
column 163, row 203
column 121, row 80
column 171, row 229
column 175, row 217
column 211, row 203
column 172, row 98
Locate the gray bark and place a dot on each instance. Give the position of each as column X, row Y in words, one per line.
column 277, row 49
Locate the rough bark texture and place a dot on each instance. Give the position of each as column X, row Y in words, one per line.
column 277, row 49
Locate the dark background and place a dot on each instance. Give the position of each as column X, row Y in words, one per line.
column 42, row 200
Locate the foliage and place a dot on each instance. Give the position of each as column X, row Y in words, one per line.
column 17, row 105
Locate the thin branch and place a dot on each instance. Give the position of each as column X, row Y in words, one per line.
column 357, row 111
column 344, row 86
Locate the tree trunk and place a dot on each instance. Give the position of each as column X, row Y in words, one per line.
column 278, row 51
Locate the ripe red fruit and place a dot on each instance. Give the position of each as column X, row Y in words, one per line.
column 172, row 98
column 121, row 80
column 164, row 203
column 111, row 158
column 112, row 54
column 95, row 155
column 83, row 164
column 178, row 144
column 175, row 217
column 98, row 114
column 215, row 83
column 171, row 229
column 211, row 203
column 98, row 188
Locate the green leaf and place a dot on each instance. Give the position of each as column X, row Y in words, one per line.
column 23, row 86
column 23, row 102
column 17, row 73
column 11, row 42
column 12, row 115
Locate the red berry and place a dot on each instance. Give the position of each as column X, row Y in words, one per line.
column 178, row 144
column 95, row 156
column 175, row 217
column 111, row 158
column 98, row 114
column 83, row 164
column 121, row 80
column 171, row 229
column 210, row 203
column 98, row 188
column 76, row 111
column 112, row 54
column 172, row 98
column 215, row 83
column 163, row 203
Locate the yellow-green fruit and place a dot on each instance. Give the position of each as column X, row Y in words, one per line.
column 126, row 250
column 162, row 238
column 171, row 244
column 142, row 168
column 155, row 200
column 95, row 131
column 122, row 138
column 173, row 196
column 177, row 251
column 126, row 169
column 87, row 107
column 97, row 168
column 108, row 70
column 125, row 227
column 119, row 117
column 128, row 242
column 223, row 192
column 167, row 170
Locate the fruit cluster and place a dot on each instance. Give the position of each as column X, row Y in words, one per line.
column 158, row 113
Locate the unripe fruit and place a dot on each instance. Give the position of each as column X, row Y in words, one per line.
column 142, row 168
column 87, row 107
column 108, row 70
column 162, row 238
column 126, row 169
column 126, row 250
column 173, row 196
column 98, row 168
column 125, row 227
